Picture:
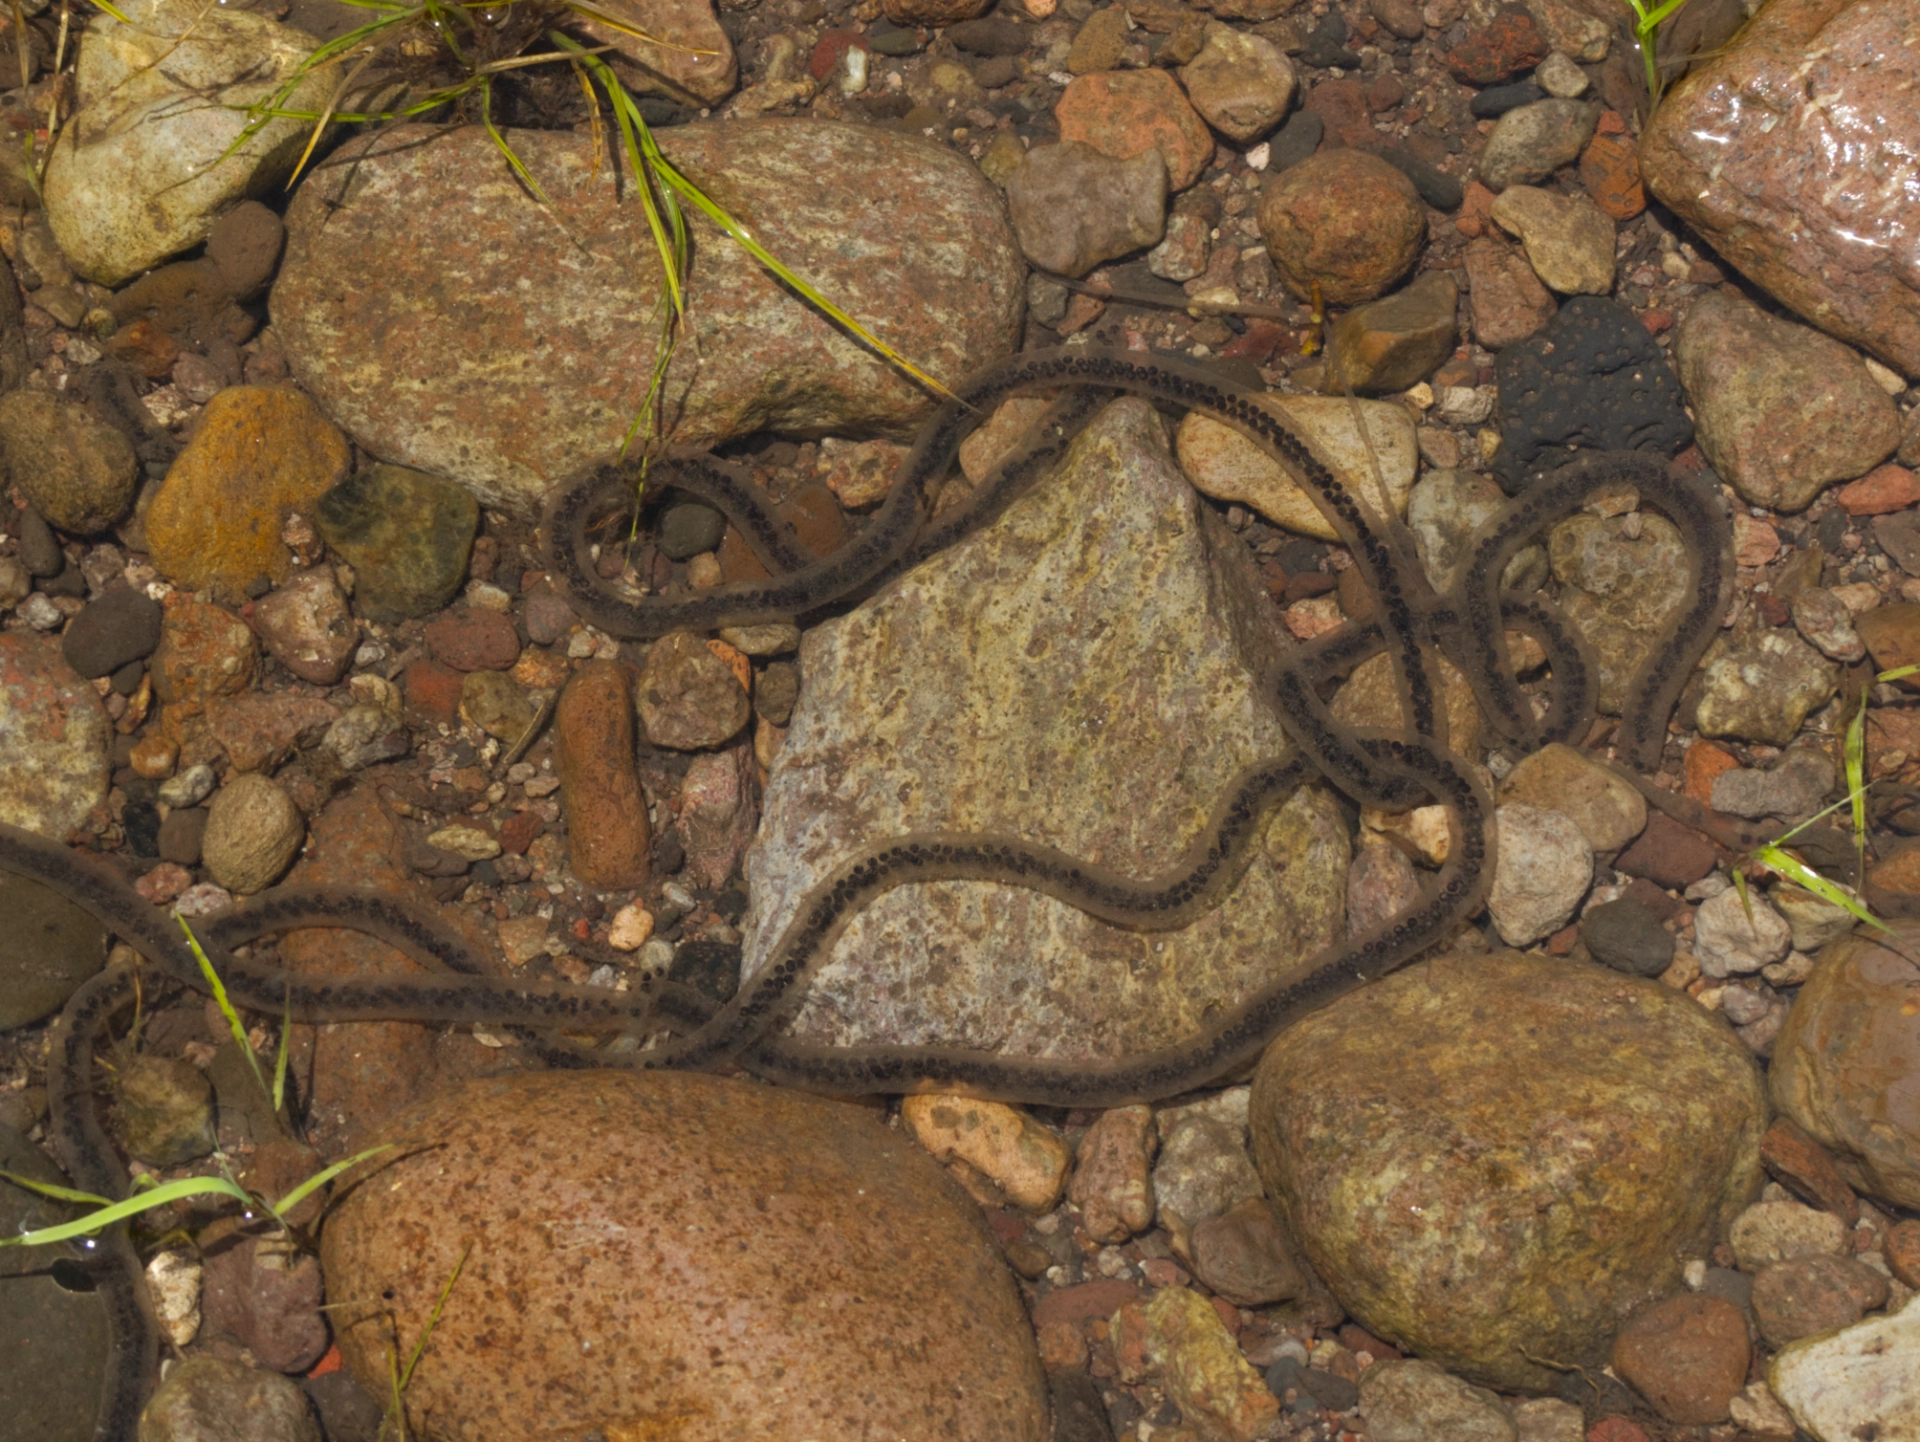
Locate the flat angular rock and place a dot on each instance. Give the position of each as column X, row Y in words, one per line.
column 1815, row 198
column 1074, row 207
column 1860, row 1382
column 499, row 353
column 971, row 695
column 132, row 178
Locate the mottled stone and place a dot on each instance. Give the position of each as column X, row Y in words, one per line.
column 1621, row 590
column 407, row 536
column 717, row 813
column 1762, row 686
column 1343, row 221
column 54, row 737
column 166, row 1109
column 133, row 176
column 892, row 734
column 1592, row 1125
column 1687, row 1355
column 1509, row 302
column 689, row 698
column 1394, row 343
column 253, row 833
column 1783, row 411
column 456, row 364
column 1241, row 83
column 208, row 1399
column 204, row 652
column 1543, row 867
column 75, row 470
column 1074, row 207
column 1608, row 811
column 258, row 455
column 794, row 1197
column 683, row 51
column 1806, row 1295
column 1111, row 1174
column 306, row 627
column 1530, row 142
column 1226, row 465
column 1024, row 1159
column 1847, row 1061
column 1123, row 113
column 1568, row 239
column 1417, row 1401
column 1809, row 203
column 1861, row 1382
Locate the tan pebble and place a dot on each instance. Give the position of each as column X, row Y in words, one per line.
column 703, row 571
column 1113, row 1174
column 523, row 938
column 1026, row 1160
column 154, row 757
column 632, row 925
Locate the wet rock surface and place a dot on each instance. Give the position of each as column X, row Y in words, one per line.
column 779, row 1181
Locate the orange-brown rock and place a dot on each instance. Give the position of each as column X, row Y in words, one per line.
column 608, row 837
column 259, row 455
column 676, row 1255
column 1122, row 113
column 1687, row 1356
column 1344, row 223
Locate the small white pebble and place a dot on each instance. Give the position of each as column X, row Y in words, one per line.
column 1258, row 157
column 485, row 596
column 543, row 786
column 39, row 612
column 632, row 925
column 173, row 1279
column 1890, row 381
column 1695, row 1273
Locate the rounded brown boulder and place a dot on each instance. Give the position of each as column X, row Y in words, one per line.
column 1495, row 1158
column 1344, row 221
column 1846, row 1065
column 672, row 1254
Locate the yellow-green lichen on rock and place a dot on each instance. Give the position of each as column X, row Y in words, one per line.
column 1496, row 1158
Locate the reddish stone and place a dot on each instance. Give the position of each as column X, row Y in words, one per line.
column 264, row 1293
column 1755, row 542
column 163, row 883
column 1704, row 762
column 1687, row 1356
column 717, row 813
column 832, row 47
column 1124, row 113
column 1615, row 1429
column 1649, row 895
column 54, row 736
column 1898, row 875
column 1803, row 1166
column 608, row 839
column 1610, row 123
column 1262, row 338
column 470, row 639
column 1511, row 44
column 1656, row 321
column 1342, row 108
column 1562, row 942
column 1476, row 211
column 1086, row 1301
column 260, row 730
column 1356, row 1338
column 1228, row 1314
column 204, row 652
column 1343, row 223
column 432, row 691
column 1881, row 491
column 1668, row 854
column 1384, row 92
column 518, row 831
column 146, row 347
column 1610, row 171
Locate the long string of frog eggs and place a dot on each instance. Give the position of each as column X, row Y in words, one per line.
column 1397, row 769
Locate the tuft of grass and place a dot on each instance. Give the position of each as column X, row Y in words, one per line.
column 149, row 1194
column 277, row 1092
column 399, row 1377
column 485, row 39
column 1647, row 19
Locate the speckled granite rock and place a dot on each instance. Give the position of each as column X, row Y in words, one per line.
column 54, row 736
column 1620, row 590
column 1823, row 98
column 967, row 696
column 461, row 365
column 1862, row 1381
column 714, row 1264
column 1453, row 1143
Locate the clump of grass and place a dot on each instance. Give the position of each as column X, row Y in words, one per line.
column 277, row 1092
column 1647, row 19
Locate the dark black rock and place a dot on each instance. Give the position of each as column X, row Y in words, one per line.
column 181, row 834
column 126, row 679
column 690, row 528
column 348, row 1412
column 71, row 583
column 1079, row 1414
column 40, row 553
column 1327, row 44
column 1832, row 531
column 995, row 71
column 141, row 822
column 1295, row 141
column 120, row 628
column 47, row 948
column 1436, row 187
column 1626, row 936
column 1591, row 379
column 994, row 35
column 712, row 967
column 1497, row 100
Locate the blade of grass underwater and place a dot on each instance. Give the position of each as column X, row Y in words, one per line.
column 500, row 142
column 219, row 989
column 280, row 1058
column 58, row 1193
column 1804, row 876
column 590, row 13
column 744, row 238
column 326, row 1174
column 433, row 1318
column 1855, row 750
column 159, row 1196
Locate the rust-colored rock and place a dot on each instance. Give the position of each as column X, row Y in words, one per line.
column 1903, row 1251
column 1802, row 1165
column 1122, row 113
column 1345, row 222
column 1500, row 51
column 1784, row 153
column 608, row 838
column 507, row 347
column 1687, row 1356
column 468, row 638
column 54, row 738
column 689, row 698
column 258, row 455
column 204, row 652
column 1880, row 492
column 1610, row 173
column 713, row 1260
column 1453, row 1142
column 1846, row 1064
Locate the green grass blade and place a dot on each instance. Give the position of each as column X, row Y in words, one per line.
column 744, row 238
column 113, row 11
column 160, row 1196
column 1804, row 876
column 1855, row 750
column 220, row 1000
column 326, row 1174
column 58, row 1193
column 1898, row 673
column 1746, row 901
column 280, row 1058
column 500, row 142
